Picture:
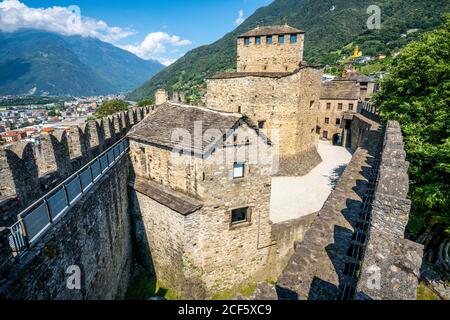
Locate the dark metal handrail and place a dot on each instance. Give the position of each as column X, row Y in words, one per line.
column 36, row 219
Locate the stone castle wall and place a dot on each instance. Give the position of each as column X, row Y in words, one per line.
column 391, row 263
column 198, row 254
column 273, row 57
column 332, row 127
column 286, row 104
column 28, row 171
column 94, row 235
column 342, row 255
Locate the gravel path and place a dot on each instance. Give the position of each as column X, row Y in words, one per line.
column 295, row 197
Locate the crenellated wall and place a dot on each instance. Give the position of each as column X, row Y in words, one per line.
column 355, row 248
column 27, row 171
column 95, row 232
column 391, row 264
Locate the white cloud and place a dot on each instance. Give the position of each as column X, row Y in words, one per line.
column 155, row 45
column 15, row 15
column 240, row 17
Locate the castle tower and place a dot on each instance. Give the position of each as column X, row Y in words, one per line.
column 270, row 49
column 160, row 96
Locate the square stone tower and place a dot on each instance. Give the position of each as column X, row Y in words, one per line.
column 270, row 49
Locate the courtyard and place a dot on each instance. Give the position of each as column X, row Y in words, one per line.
column 295, row 197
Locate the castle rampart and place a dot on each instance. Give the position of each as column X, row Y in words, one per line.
column 355, row 249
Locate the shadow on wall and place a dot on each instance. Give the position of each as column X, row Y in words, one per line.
column 336, row 174
column 144, row 282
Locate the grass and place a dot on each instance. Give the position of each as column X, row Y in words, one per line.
column 144, row 286
column 425, row 293
column 229, row 295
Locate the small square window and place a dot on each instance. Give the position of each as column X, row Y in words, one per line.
column 328, row 106
column 238, row 170
column 327, row 120
column 240, row 215
column 257, row 40
column 293, row 38
column 338, row 121
column 339, row 106
column 269, row 40
column 281, row 39
column 247, row 41
column 261, row 124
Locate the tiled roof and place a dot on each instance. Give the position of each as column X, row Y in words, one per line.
column 176, row 201
column 340, row 90
column 269, row 30
column 170, row 117
column 231, row 75
column 354, row 76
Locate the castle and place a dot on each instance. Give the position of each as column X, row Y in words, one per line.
column 191, row 188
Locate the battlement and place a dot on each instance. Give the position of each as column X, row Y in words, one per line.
column 27, row 171
column 270, row 49
column 356, row 247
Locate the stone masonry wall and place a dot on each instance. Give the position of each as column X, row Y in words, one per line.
column 28, row 171
column 287, row 104
column 200, row 254
column 332, row 127
column 391, row 264
column 94, row 235
column 387, row 266
column 273, row 57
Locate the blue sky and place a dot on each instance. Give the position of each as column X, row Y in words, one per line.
column 162, row 30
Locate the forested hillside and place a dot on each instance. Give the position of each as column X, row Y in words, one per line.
column 329, row 26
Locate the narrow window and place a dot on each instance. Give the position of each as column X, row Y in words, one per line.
column 325, row 134
column 239, row 216
column 239, row 109
column 328, row 105
column 204, row 176
column 339, row 106
column 311, row 103
column 338, row 121
column 247, row 41
column 281, row 39
column 238, row 170
column 293, row 38
column 327, row 120
column 235, row 139
column 269, row 40
column 257, row 40
column 350, row 106
column 261, row 124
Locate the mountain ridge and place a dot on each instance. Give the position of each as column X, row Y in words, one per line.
column 46, row 63
column 329, row 26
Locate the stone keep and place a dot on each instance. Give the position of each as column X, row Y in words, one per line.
column 270, row 49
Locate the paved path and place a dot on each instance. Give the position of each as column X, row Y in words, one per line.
column 295, row 197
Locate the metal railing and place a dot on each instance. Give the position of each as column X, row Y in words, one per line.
column 35, row 220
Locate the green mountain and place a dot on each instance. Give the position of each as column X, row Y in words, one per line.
column 44, row 63
column 329, row 24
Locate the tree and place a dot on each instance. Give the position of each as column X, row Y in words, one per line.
column 110, row 107
column 417, row 94
column 146, row 102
